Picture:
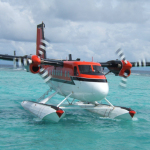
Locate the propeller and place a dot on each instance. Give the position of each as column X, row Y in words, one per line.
column 140, row 63
column 123, row 82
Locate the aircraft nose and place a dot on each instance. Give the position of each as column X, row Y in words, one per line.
column 100, row 91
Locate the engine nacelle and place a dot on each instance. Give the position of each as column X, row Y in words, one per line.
column 121, row 68
column 126, row 69
column 33, row 64
column 34, row 68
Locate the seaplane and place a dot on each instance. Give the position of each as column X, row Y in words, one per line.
column 81, row 81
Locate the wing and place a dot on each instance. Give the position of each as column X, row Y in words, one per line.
column 32, row 62
column 9, row 57
column 123, row 67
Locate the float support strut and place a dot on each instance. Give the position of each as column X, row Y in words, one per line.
column 48, row 98
column 108, row 102
column 64, row 100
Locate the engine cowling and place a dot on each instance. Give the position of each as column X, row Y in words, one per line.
column 33, row 64
column 126, row 69
column 34, row 68
column 121, row 68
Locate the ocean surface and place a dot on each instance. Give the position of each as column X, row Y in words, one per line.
column 79, row 129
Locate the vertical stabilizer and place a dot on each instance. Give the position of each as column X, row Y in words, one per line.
column 40, row 41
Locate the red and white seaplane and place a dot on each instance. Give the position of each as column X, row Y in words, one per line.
column 79, row 80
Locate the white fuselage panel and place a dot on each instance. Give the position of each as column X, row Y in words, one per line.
column 82, row 90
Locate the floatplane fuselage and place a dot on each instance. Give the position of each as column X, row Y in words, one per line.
column 84, row 79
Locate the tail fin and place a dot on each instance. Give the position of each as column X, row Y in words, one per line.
column 40, row 41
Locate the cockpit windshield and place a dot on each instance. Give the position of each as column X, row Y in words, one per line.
column 87, row 69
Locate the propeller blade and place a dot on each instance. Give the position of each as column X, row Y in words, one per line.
column 25, row 62
column 123, row 82
column 46, row 42
column 40, row 52
column 121, row 55
column 20, row 63
column 29, row 61
column 42, row 47
column 140, row 63
column 15, row 65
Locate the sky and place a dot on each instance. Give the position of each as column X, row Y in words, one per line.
column 83, row 28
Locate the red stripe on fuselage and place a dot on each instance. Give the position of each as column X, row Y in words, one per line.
column 67, row 70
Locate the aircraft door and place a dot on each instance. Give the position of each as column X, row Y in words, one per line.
column 75, row 71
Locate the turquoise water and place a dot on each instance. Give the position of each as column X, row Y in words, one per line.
column 79, row 129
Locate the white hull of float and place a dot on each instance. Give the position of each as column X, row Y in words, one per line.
column 44, row 111
column 108, row 111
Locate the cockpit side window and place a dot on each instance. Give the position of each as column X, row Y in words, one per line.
column 97, row 69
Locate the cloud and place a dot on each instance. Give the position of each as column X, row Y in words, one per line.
column 83, row 28
column 103, row 11
column 15, row 24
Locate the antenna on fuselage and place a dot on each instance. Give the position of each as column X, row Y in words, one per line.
column 70, row 57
